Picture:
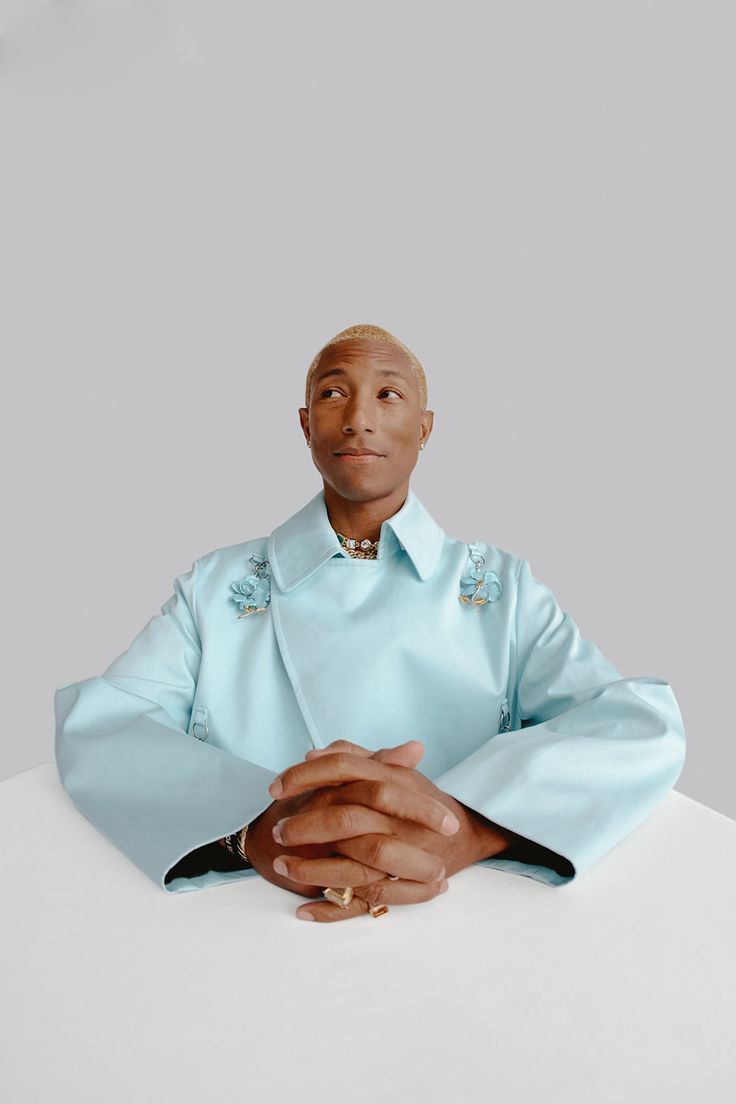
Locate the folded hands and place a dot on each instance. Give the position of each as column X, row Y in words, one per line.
column 346, row 816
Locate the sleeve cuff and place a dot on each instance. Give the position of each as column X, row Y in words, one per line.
column 529, row 870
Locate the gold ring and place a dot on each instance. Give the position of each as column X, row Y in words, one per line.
column 341, row 897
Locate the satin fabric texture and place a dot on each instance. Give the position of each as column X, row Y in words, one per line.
column 523, row 720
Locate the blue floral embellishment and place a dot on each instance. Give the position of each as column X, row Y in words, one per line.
column 253, row 592
column 479, row 587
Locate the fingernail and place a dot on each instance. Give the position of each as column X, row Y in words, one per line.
column 276, row 832
column 445, row 886
column 304, row 916
column 276, row 788
column 280, row 866
column 450, row 824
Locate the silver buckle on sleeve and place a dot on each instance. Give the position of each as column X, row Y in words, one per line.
column 200, row 728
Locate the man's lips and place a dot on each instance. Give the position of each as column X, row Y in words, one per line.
column 364, row 458
column 352, row 455
column 353, row 450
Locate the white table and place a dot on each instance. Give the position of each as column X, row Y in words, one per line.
column 619, row 987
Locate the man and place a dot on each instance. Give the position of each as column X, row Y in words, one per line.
column 280, row 666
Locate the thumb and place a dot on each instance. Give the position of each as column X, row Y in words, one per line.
column 405, row 755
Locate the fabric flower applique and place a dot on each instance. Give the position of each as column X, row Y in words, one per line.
column 253, row 592
column 479, row 587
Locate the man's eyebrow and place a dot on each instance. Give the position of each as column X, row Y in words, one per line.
column 342, row 372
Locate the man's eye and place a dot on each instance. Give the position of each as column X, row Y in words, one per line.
column 383, row 391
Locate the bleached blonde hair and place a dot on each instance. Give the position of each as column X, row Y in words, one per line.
column 375, row 333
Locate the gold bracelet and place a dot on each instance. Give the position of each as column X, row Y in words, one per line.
column 240, row 844
column 235, row 844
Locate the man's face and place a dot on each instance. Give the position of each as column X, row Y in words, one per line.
column 365, row 395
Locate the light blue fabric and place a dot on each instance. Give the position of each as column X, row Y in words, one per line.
column 175, row 743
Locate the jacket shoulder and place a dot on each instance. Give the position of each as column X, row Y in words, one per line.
column 228, row 563
column 497, row 559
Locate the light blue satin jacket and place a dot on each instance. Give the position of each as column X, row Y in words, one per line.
column 175, row 743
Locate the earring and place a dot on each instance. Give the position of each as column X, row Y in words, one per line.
column 421, row 444
column 309, row 444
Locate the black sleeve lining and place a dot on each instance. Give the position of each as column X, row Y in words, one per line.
column 210, row 857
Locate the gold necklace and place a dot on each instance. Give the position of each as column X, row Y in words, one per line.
column 359, row 550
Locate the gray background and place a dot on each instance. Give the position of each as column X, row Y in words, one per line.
column 537, row 198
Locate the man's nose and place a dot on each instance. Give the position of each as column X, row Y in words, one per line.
column 357, row 416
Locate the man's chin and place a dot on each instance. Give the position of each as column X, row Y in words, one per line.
column 360, row 487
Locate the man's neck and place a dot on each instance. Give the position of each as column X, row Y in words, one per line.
column 362, row 520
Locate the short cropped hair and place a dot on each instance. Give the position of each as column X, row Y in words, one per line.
column 376, row 333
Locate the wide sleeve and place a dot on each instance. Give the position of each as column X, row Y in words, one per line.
column 590, row 754
column 128, row 761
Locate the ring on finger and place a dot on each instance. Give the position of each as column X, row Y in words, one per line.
column 341, row 897
column 373, row 910
column 344, row 895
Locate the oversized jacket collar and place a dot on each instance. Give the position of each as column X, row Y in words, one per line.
column 300, row 545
